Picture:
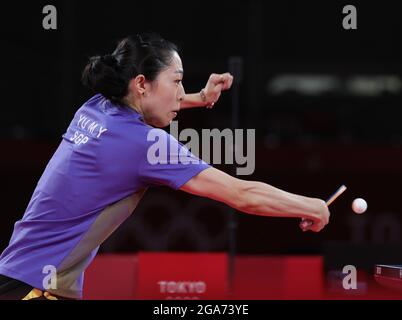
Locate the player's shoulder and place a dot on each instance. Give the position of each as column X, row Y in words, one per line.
column 149, row 135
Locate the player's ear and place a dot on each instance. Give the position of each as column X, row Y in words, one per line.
column 137, row 84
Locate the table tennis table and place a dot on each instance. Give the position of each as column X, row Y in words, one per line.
column 389, row 276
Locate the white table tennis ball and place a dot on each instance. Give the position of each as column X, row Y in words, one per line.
column 359, row 205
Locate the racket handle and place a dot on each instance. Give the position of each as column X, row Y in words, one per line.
column 305, row 223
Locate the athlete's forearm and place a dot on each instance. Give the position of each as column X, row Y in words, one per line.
column 192, row 100
column 257, row 197
column 263, row 199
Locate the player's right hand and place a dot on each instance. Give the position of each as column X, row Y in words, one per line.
column 318, row 220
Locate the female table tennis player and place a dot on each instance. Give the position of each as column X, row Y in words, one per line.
column 101, row 169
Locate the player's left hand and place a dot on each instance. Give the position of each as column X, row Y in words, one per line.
column 215, row 85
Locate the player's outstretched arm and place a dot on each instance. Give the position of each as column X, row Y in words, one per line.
column 257, row 198
column 208, row 96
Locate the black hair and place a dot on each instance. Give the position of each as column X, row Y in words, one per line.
column 110, row 74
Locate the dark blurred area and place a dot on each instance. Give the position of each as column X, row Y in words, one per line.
column 325, row 103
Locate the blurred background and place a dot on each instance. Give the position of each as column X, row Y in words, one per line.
column 325, row 103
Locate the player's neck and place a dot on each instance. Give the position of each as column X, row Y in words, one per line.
column 133, row 104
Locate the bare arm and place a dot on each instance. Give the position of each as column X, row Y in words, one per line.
column 192, row 100
column 257, row 198
column 210, row 94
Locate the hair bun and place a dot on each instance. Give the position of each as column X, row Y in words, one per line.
column 109, row 59
column 102, row 76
